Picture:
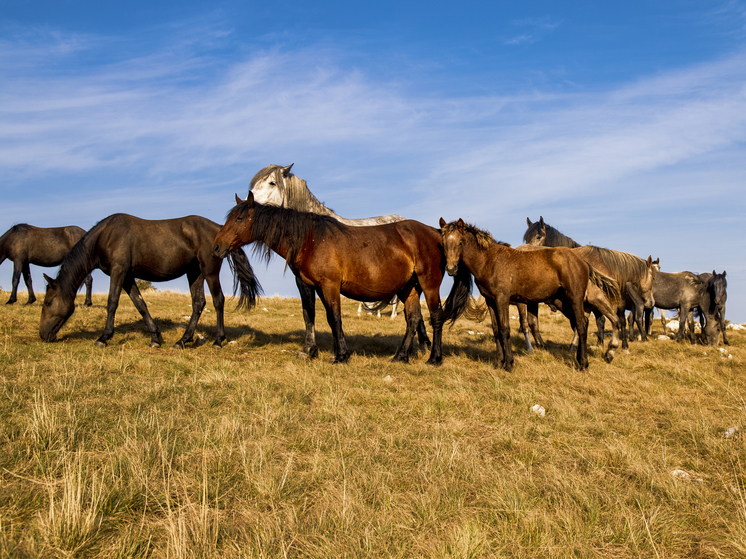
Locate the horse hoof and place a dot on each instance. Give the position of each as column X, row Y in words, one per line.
column 302, row 355
column 177, row 345
column 156, row 345
column 99, row 343
column 31, row 302
column 609, row 356
column 434, row 362
column 217, row 345
column 87, row 304
column 11, row 301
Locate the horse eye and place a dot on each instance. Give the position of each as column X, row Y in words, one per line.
column 272, row 183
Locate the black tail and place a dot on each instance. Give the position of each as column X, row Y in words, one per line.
column 244, row 278
column 458, row 298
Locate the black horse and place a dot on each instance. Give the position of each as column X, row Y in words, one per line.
column 712, row 306
column 25, row 244
column 126, row 247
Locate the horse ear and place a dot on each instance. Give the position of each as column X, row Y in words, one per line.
column 528, row 222
column 250, row 199
column 541, row 220
column 442, row 223
column 657, row 261
column 286, row 170
column 238, row 200
column 460, row 223
column 50, row 281
column 650, row 260
column 723, row 273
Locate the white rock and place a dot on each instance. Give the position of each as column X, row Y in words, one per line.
column 730, row 432
column 736, row 326
column 538, row 410
column 662, row 337
column 388, row 379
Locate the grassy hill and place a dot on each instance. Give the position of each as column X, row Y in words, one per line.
column 247, row 451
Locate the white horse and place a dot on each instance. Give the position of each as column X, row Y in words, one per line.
column 277, row 186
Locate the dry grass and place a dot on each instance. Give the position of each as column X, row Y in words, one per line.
column 248, row 452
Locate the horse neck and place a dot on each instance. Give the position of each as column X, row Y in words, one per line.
column 556, row 239
column 78, row 263
column 299, row 197
column 282, row 230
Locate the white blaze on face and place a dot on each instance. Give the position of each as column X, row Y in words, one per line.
column 268, row 191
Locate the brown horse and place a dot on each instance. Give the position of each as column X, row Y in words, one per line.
column 633, row 274
column 363, row 263
column 532, row 276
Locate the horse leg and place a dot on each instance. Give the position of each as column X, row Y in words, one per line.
column 27, row 281
column 422, row 338
column 663, row 321
column 601, row 308
column 130, row 286
column 683, row 317
column 17, row 266
column 499, row 354
column 218, row 301
column 721, row 318
column 308, row 301
column 600, row 327
column 638, row 307
column 413, row 316
column 116, row 279
column 503, row 322
column 197, row 289
column 330, row 297
column 523, row 319
column 88, row 289
column 631, row 324
column 648, row 314
column 394, row 306
column 622, row 319
column 533, row 324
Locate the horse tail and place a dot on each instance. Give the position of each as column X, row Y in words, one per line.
column 244, row 279
column 458, row 298
column 608, row 285
column 476, row 309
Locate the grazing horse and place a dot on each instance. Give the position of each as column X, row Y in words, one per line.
column 277, row 186
column 42, row 246
column 372, row 263
column 531, row 276
column 125, row 247
column 633, row 274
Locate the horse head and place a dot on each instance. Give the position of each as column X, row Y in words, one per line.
column 55, row 311
column 536, row 234
column 237, row 228
column 717, row 286
column 646, row 283
column 268, row 185
column 453, row 244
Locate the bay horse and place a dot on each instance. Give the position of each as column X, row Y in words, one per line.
column 531, row 276
column 633, row 274
column 371, row 263
column 25, row 244
column 275, row 185
column 125, row 247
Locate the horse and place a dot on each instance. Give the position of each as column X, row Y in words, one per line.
column 275, row 185
column 371, row 263
column 25, row 244
column 682, row 291
column 125, row 247
column 713, row 303
column 633, row 274
column 531, row 276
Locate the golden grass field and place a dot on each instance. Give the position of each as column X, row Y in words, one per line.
column 247, row 451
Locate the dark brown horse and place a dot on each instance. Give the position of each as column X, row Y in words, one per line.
column 363, row 263
column 633, row 274
column 125, row 247
column 25, row 244
column 531, row 276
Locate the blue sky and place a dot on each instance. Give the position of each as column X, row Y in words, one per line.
column 623, row 126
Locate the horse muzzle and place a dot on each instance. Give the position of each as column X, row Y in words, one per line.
column 220, row 251
column 452, row 270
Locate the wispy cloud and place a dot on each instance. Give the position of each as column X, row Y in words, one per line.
column 531, row 30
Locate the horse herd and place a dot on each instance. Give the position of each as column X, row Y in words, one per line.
column 370, row 260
